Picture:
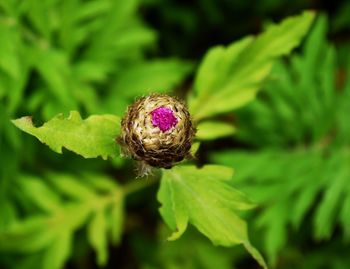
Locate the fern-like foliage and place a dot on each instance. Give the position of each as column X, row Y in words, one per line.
column 299, row 128
column 77, row 55
column 298, row 105
column 57, row 56
column 57, row 206
column 90, row 56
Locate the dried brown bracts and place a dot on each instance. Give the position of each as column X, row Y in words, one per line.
column 157, row 131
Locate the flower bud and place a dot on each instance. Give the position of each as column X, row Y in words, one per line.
column 157, row 131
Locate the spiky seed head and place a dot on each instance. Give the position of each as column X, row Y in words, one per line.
column 157, row 131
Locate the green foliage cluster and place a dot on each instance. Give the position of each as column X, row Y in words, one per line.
column 62, row 205
column 59, row 57
column 298, row 167
column 78, row 54
column 202, row 197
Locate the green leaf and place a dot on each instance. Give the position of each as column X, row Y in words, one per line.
column 204, row 198
column 311, row 173
column 209, row 130
column 90, row 138
column 116, row 219
column 58, row 252
column 37, row 14
column 307, row 80
column 156, row 75
column 345, row 217
column 94, row 200
column 329, row 206
column 69, row 186
column 93, row 8
column 39, row 192
column 228, row 78
column 192, row 249
column 27, row 236
column 100, row 182
column 129, row 36
column 97, row 236
column 8, row 213
column 145, row 78
column 54, row 68
column 9, row 51
column 275, row 236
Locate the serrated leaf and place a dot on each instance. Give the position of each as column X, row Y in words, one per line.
column 97, row 236
column 200, row 254
column 116, row 219
column 127, row 35
column 100, row 182
column 230, row 77
column 37, row 14
column 273, row 188
column 345, row 217
column 92, row 137
column 145, row 78
column 54, row 68
column 280, row 117
column 9, row 51
column 28, row 236
column 90, row 71
column 303, row 203
column 69, row 186
column 156, row 75
column 58, row 252
column 134, row 39
column 8, row 213
column 92, row 9
column 204, row 198
column 276, row 234
column 209, row 130
column 40, row 193
column 329, row 206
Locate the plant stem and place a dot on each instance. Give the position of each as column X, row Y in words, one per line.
column 137, row 185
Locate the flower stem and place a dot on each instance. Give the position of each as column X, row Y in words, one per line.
column 137, row 185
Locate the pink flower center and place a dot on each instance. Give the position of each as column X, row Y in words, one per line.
column 163, row 118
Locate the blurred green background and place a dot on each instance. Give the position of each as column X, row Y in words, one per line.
column 291, row 151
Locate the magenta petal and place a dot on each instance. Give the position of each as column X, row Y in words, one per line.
column 163, row 118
